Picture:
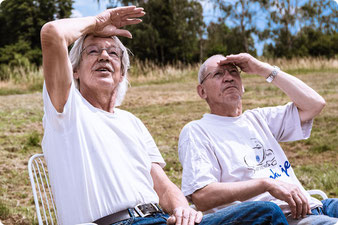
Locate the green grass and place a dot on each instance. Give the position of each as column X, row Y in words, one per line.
column 165, row 99
column 319, row 176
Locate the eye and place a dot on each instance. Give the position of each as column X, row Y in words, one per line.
column 233, row 72
column 92, row 51
column 112, row 52
column 217, row 75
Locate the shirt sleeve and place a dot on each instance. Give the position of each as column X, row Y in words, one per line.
column 199, row 162
column 153, row 152
column 284, row 123
column 58, row 121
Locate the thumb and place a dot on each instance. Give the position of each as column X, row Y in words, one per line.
column 171, row 220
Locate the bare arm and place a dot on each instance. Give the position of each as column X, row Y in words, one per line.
column 308, row 101
column 57, row 35
column 172, row 199
column 217, row 194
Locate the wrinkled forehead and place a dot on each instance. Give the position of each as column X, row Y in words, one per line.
column 213, row 61
column 101, row 41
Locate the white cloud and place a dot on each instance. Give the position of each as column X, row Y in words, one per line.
column 76, row 14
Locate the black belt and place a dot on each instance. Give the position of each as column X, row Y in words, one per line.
column 138, row 211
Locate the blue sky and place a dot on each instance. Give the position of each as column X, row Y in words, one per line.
column 91, row 8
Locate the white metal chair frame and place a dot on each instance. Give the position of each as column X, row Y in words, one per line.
column 42, row 192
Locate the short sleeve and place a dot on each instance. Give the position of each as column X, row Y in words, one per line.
column 284, row 123
column 199, row 162
column 58, row 121
column 151, row 147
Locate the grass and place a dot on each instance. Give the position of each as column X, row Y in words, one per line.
column 165, row 99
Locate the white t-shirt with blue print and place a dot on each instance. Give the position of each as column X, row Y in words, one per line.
column 231, row 149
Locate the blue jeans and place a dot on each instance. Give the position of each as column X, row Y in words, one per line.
column 328, row 215
column 243, row 213
column 330, row 208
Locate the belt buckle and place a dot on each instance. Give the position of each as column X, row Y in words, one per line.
column 139, row 211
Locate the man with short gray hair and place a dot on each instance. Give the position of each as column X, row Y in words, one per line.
column 230, row 156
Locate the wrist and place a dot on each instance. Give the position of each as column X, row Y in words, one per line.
column 266, row 184
column 273, row 74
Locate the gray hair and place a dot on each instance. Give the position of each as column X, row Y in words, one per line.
column 203, row 68
column 75, row 58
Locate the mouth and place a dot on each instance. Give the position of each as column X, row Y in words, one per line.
column 229, row 87
column 104, row 68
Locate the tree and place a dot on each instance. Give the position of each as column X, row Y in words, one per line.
column 225, row 40
column 169, row 32
column 21, row 22
column 243, row 15
column 291, row 24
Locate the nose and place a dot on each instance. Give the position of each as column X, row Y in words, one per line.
column 227, row 77
column 103, row 55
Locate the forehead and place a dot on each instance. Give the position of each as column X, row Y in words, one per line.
column 104, row 41
column 213, row 61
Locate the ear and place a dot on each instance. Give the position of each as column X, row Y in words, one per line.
column 75, row 74
column 121, row 76
column 201, row 91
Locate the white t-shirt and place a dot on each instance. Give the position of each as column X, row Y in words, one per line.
column 98, row 162
column 231, row 149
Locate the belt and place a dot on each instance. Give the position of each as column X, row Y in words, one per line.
column 141, row 210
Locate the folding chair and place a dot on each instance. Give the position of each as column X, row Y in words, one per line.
column 317, row 192
column 42, row 193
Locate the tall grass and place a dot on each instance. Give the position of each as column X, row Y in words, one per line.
column 21, row 79
column 29, row 78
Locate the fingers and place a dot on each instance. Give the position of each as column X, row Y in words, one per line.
column 121, row 32
column 292, row 205
column 130, row 22
column 185, row 216
column 298, row 203
column 124, row 13
column 291, row 194
column 306, row 205
column 111, row 30
column 198, row 217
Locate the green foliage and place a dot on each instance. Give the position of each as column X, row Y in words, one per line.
column 21, row 22
column 225, row 41
column 169, row 31
column 317, row 23
column 243, row 15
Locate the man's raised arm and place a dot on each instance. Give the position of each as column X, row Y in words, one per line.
column 308, row 101
column 57, row 35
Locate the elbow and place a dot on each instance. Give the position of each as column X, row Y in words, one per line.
column 320, row 104
column 49, row 35
column 200, row 201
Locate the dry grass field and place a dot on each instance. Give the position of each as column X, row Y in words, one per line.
column 165, row 99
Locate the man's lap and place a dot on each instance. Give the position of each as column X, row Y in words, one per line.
column 243, row 213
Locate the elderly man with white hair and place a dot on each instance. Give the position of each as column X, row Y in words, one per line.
column 104, row 166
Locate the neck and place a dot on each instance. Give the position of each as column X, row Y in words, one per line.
column 233, row 109
column 104, row 100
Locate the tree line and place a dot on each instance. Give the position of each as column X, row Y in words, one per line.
column 175, row 30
